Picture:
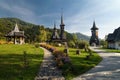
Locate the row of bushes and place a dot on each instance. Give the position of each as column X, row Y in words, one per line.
column 2, row 42
column 60, row 57
column 5, row 42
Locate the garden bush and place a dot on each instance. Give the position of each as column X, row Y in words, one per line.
column 37, row 45
column 60, row 57
column 2, row 42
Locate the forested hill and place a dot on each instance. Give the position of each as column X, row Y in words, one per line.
column 8, row 24
column 32, row 32
column 81, row 36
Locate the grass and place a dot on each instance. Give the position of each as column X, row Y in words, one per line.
column 11, row 62
column 112, row 50
column 79, row 63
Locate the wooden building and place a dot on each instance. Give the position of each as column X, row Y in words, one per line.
column 55, row 36
column 94, row 41
column 113, row 39
column 16, row 36
column 59, row 37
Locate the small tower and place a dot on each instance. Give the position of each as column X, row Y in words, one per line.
column 55, row 35
column 62, row 36
column 94, row 41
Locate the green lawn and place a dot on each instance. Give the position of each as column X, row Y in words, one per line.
column 11, row 62
column 80, row 64
column 112, row 50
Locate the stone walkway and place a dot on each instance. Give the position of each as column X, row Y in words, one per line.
column 107, row 69
column 48, row 69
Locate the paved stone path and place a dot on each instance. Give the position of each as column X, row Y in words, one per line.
column 48, row 69
column 107, row 69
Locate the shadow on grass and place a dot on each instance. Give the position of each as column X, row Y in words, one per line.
column 11, row 66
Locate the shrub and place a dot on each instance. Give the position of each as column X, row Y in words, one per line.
column 25, row 60
column 82, row 44
column 57, row 52
column 37, row 45
column 2, row 42
column 71, row 44
column 61, row 58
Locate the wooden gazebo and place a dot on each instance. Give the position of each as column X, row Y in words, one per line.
column 16, row 36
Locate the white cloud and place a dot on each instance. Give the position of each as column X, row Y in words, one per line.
column 48, row 15
column 19, row 10
column 106, row 13
column 100, row 10
column 16, row 9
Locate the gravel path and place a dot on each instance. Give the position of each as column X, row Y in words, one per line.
column 107, row 69
column 48, row 69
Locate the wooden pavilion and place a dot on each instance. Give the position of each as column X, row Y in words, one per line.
column 16, row 36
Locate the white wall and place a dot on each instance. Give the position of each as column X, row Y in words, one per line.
column 111, row 45
column 117, row 45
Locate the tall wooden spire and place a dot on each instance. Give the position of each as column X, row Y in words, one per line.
column 94, row 26
column 62, row 23
column 62, row 36
column 94, row 40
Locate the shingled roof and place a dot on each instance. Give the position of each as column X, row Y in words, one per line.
column 15, row 32
column 115, row 36
column 94, row 26
column 55, row 35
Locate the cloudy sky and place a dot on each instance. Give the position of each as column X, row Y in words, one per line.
column 78, row 14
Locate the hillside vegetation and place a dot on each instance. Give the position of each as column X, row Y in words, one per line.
column 82, row 36
column 34, row 33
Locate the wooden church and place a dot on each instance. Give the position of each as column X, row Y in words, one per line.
column 16, row 36
column 59, row 37
column 94, row 40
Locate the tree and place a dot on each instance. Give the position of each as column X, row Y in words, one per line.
column 83, row 44
column 103, row 43
column 43, row 34
column 71, row 44
column 75, row 39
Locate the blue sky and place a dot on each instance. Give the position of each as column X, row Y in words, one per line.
column 78, row 14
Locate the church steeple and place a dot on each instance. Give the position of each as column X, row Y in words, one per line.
column 94, row 26
column 94, row 40
column 55, row 35
column 62, row 23
column 62, row 36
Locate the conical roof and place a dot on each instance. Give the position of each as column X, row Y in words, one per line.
column 16, row 29
column 62, row 22
column 55, row 34
column 94, row 26
column 15, row 32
